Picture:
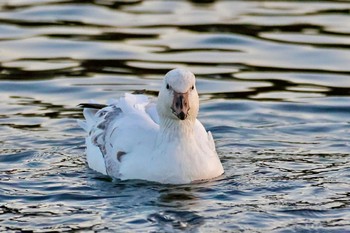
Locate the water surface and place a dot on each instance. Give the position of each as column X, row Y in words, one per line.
column 274, row 83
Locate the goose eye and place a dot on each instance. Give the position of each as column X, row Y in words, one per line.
column 192, row 87
column 167, row 86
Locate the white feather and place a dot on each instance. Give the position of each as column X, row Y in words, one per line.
column 134, row 138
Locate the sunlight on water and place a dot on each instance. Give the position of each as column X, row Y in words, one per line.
column 274, row 83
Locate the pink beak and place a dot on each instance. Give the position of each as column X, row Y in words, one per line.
column 180, row 106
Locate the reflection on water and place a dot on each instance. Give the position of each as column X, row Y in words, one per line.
column 274, row 83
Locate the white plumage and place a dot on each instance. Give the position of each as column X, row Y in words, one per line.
column 134, row 138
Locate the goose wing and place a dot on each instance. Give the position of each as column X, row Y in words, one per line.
column 126, row 125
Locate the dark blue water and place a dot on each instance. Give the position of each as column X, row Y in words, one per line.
column 274, row 83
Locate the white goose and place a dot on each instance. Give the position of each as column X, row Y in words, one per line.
column 133, row 138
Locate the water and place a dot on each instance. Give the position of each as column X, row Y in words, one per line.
column 274, row 82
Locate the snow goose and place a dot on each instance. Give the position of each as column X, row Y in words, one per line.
column 134, row 138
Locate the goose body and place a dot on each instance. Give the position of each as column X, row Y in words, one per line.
column 135, row 138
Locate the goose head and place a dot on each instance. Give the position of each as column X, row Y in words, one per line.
column 178, row 97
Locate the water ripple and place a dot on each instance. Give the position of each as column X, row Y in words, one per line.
column 273, row 78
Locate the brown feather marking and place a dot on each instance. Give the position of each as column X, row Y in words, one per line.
column 120, row 155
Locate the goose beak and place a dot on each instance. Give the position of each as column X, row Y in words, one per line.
column 180, row 106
